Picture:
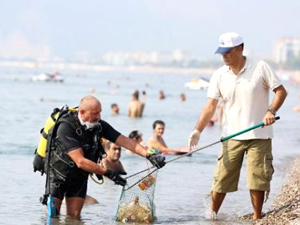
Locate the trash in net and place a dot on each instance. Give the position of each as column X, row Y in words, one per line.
column 136, row 204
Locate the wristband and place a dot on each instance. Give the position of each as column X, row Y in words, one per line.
column 273, row 111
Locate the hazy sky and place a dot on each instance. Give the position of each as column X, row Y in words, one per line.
column 74, row 29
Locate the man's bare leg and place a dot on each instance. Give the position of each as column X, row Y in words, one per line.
column 216, row 201
column 74, row 206
column 58, row 204
column 257, row 198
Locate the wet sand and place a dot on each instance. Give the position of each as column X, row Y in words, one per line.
column 286, row 207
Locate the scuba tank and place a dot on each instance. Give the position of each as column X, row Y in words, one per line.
column 44, row 147
column 40, row 152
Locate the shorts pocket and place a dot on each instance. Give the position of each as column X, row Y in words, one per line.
column 268, row 166
column 218, row 168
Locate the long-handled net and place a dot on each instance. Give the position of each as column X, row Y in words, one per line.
column 136, row 203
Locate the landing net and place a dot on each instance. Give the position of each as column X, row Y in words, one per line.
column 136, row 203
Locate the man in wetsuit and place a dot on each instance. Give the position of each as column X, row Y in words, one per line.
column 75, row 150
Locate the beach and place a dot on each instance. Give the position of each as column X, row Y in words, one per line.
column 286, row 206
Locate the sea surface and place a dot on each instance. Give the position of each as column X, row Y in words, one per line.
column 182, row 187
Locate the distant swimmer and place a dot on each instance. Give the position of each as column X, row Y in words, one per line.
column 157, row 141
column 144, row 94
column 161, row 95
column 136, row 136
column 217, row 117
column 115, row 109
column 135, row 106
column 182, row 97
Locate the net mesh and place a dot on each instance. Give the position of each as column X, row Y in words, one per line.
column 136, row 204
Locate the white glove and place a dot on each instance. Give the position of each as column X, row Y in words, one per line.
column 194, row 139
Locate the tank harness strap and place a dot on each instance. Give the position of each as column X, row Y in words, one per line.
column 79, row 128
column 49, row 138
column 44, row 134
column 74, row 123
column 55, row 111
column 103, row 154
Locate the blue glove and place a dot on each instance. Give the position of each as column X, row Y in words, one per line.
column 115, row 177
column 154, row 156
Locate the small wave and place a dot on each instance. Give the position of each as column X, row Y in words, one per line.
column 182, row 219
column 15, row 149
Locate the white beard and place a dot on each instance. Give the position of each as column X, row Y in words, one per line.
column 87, row 124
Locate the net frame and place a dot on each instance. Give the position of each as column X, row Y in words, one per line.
column 132, row 192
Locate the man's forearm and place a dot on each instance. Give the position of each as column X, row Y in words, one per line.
column 280, row 96
column 205, row 116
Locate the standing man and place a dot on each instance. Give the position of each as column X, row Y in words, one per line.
column 75, row 150
column 244, row 85
column 135, row 106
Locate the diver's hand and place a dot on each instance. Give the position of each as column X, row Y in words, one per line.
column 194, row 139
column 154, row 156
column 115, row 177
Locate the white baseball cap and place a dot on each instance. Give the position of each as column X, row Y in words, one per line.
column 227, row 41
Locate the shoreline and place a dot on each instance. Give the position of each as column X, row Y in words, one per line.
column 106, row 68
column 286, row 206
column 56, row 66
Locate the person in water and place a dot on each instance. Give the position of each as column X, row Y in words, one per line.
column 114, row 109
column 157, row 141
column 112, row 160
column 182, row 97
column 136, row 136
column 244, row 85
column 76, row 150
column 161, row 95
column 135, row 106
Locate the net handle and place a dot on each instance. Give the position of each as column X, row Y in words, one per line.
column 196, row 150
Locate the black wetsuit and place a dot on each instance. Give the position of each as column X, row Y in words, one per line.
column 66, row 179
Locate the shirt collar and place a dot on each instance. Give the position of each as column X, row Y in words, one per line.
column 248, row 65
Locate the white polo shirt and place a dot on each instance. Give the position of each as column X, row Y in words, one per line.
column 245, row 96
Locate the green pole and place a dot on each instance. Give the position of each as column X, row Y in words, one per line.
column 221, row 140
column 196, row 150
column 246, row 130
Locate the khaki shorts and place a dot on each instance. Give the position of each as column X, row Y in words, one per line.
column 259, row 165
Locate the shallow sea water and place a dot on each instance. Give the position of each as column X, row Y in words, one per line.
column 182, row 186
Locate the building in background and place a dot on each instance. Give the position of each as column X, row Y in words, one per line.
column 286, row 49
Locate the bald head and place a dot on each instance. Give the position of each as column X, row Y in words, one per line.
column 88, row 102
column 90, row 108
